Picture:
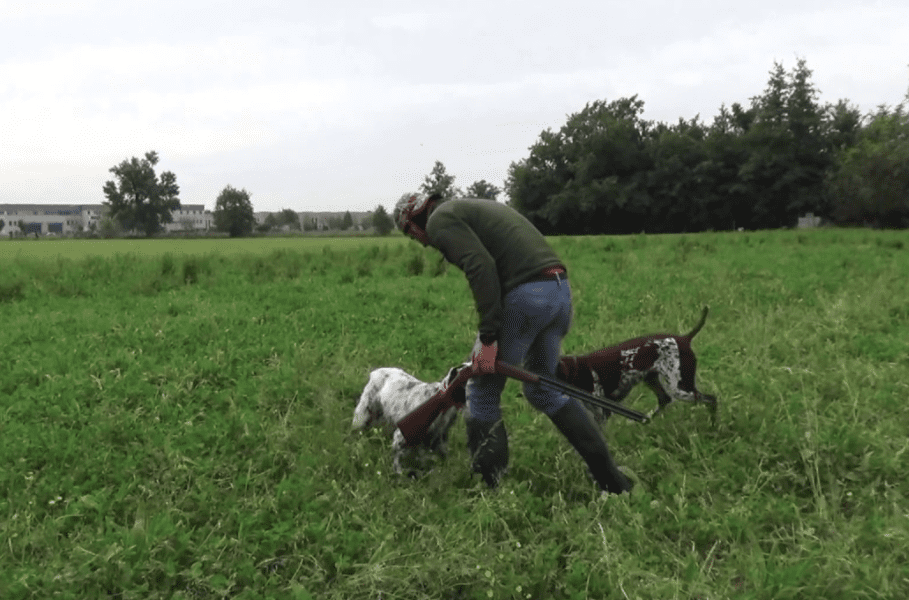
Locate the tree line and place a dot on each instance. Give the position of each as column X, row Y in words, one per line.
column 438, row 182
column 607, row 170
column 141, row 200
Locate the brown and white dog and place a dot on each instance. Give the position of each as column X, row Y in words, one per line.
column 665, row 362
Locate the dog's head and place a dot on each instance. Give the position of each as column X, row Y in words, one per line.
column 458, row 395
column 571, row 371
column 369, row 407
column 367, row 413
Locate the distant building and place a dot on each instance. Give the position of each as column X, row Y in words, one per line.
column 318, row 221
column 69, row 219
column 57, row 219
column 809, row 221
column 191, row 217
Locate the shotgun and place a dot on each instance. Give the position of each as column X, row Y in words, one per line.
column 569, row 390
column 414, row 426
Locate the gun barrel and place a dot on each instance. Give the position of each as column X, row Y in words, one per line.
column 611, row 405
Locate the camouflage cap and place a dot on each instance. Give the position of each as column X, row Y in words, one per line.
column 408, row 205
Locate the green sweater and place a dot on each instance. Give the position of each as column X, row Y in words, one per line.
column 497, row 248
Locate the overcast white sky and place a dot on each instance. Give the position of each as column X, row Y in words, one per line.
column 344, row 105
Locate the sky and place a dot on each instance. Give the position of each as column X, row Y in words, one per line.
column 346, row 105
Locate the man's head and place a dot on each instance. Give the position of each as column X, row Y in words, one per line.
column 411, row 213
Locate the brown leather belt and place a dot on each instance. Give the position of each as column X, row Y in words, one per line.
column 550, row 274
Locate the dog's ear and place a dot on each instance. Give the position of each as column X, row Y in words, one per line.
column 459, row 395
column 455, row 370
column 564, row 369
column 452, row 373
column 569, row 371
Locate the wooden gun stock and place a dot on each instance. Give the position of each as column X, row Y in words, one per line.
column 415, row 425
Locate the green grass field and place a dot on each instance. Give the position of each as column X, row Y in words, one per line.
column 174, row 423
column 155, row 248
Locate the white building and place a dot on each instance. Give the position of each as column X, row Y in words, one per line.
column 809, row 221
column 68, row 219
column 191, row 217
column 57, row 219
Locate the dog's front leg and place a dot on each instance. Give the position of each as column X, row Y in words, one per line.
column 652, row 381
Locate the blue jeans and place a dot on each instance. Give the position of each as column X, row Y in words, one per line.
column 537, row 315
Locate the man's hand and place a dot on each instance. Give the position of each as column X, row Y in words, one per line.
column 484, row 359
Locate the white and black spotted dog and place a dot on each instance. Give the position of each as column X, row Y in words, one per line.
column 389, row 396
column 665, row 362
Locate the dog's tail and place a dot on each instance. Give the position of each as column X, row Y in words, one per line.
column 700, row 324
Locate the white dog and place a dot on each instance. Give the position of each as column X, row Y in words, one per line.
column 389, row 396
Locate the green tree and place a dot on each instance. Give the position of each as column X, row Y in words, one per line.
column 264, row 227
column 440, row 182
column 2, row 224
column 286, row 217
column 291, row 219
column 234, row 212
column 843, row 122
column 533, row 181
column 138, row 198
column 724, row 202
column 382, row 221
column 871, row 180
column 482, row 189
column 607, row 170
column 347, row 221
column 788, row 155
column 672, row 184
column 109, row 227
column 582, row 179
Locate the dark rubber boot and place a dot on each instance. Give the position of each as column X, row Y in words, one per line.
column 488, row 447
column 578, row 427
